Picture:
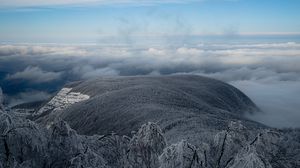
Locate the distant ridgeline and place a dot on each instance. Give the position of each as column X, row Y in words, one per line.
column 145, row 122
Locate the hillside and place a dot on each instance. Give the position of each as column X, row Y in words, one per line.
column 184, row 106
column 175, row 122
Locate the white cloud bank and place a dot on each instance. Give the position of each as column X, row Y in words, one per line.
column 35, row 75
column 269, row 73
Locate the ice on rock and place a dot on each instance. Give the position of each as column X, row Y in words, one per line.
column 64, row 98
column 22, row 143
column 228, row 142
column 76, row 153
column 266, row 142
column 236, row 126
column 249, row 158
column 181, row 155
column 1, row 99
column 25, row 144
column 145, row 146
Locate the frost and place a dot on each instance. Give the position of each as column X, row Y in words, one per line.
column 181, row 155
column 146, row 145
column 248, row 158
column 62, row 100
column 199, row 117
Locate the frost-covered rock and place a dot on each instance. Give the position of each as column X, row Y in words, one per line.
column 249, row 158
column 23, row 143
column 288, row 154
column 181, row 155
column 1, row 99
column 145, row 146
column 228, row 142
column 267, row 143
column 64, row 98
column 26, row 144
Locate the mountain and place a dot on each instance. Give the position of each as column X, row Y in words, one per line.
column 184, row 106
column 214, row 136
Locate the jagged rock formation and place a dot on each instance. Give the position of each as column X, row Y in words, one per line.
column 146, row 146
column 249, row 158
column 25, row 144
column 182, row 155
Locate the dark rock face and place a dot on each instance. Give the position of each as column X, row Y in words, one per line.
column 184, row 106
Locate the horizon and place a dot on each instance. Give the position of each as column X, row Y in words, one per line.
column 92, row 20
column 253, row 45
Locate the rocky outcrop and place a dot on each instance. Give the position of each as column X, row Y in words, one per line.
column 249, row 158
column 146, row 146
column 26, row 144
column 182, row 155
column 1, row 99
column 228, row 142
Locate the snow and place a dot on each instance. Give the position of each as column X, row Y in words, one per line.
column 248, row 158
column 192, row 129
column 64, row 98
column 181, row 155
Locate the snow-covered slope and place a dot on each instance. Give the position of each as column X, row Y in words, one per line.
column 175, row 122
column 64, row 98
column 184, row 106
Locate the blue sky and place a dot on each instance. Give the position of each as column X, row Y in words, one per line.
column 90, row 20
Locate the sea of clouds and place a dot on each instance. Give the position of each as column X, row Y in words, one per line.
column 269, row 73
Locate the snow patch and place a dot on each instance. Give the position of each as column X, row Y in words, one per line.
column 64, row 98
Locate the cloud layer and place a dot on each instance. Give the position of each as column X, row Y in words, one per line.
column 268, row 72
column 35, row 75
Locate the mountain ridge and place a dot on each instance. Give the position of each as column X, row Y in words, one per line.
column 179, row 103
column 239, row 144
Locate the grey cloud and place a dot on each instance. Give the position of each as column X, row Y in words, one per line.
column 88, row 71
column 267, row 72
column 262, row 75
column 35, row 75
column 228, row 62
column 29, row 96
column 279, row 102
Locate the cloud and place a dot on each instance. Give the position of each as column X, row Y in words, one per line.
column 87, row 71
column 29, row 96
column 11, row 50
column 279, row 102
column 35, row 75
column 260, row 74
column 268, row 72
